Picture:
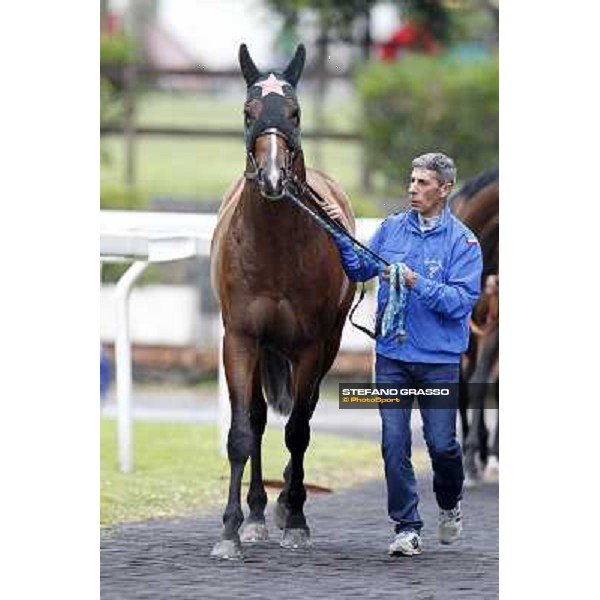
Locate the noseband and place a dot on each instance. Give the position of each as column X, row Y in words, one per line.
column 290, row 156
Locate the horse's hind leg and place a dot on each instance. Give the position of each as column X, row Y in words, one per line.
column 472, row 443
column 255, row 529
column 240, row 355
column 463, row 405
column 492, row 469
column 297, row 437
column 467, row 366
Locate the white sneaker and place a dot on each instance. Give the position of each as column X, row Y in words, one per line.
column 450, row 525
column 406, row 543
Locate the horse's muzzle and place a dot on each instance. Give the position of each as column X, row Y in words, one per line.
column 270, row 182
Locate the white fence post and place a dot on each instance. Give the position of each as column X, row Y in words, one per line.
column 123, row 363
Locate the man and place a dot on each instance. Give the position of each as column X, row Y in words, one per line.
column 441, row 265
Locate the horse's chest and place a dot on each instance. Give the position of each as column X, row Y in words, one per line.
column 273, row 267
column 278, row 320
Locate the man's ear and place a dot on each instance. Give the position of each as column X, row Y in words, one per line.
column 447, row 188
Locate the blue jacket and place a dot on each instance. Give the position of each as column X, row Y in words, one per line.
column 448, row 263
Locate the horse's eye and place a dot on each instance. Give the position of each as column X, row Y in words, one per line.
column 247, row 118
column 295, row 117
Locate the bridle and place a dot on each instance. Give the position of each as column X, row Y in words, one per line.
column 288, row 176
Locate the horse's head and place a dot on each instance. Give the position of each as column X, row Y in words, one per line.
column 272, row 121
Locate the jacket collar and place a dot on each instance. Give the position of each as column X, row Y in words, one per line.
column 413, row 220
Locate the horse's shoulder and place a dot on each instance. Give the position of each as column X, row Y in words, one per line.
column 231, row 196
column 323, row 182
column 331, row 191
column 228, row 203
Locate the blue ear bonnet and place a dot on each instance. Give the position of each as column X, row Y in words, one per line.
column 273, row 114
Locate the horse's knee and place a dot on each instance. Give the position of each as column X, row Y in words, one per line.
column 258, row 418
column 297, row 435
column 239, row 444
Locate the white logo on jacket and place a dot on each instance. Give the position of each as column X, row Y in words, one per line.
column 433, row 266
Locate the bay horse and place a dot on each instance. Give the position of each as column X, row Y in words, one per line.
column 477, row 205
column 284, row 298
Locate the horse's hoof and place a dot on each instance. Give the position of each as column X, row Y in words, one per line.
column 254, row 531
column 471, row 482
column 296, row 539
column 491, row 473
column 227, row 550
column 472, row 472
column 280, row 514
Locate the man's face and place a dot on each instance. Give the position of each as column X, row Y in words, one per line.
column 427, row 195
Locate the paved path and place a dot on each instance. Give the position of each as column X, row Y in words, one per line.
column 169, row 559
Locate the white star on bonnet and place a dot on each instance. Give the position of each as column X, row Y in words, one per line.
column 272, row 85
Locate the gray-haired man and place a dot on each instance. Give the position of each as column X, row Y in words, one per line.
column 441, row 266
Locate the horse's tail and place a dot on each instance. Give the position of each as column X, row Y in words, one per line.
column 276, row 377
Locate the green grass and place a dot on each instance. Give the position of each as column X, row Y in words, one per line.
column 179, row 470
column 176, row 167
column 206, row 168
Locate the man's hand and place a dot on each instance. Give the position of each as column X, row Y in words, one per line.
column 334, row 211
column 409, row 275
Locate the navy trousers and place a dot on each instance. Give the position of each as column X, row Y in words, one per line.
column 439, row 429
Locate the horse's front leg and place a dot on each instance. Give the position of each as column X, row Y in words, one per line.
column 255, row 529
column 306, row 372
column 240, row 356
column 281, row 510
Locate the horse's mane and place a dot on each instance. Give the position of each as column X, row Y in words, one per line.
column 476, row 184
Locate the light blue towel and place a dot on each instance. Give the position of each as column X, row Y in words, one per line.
column 395, row 308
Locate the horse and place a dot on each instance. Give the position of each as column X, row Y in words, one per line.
column 483, row 366
column 477, row 205
column 284, row 298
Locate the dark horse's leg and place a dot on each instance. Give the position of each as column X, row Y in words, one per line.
column 463, row 404
column 240, row 355
column 472, row 444
column 255, row 529
column 306, row 375
column 478, row 388
column 467, row 366
column 492, row 469
column 281, row 510
column 495, row 448
column 331, row 348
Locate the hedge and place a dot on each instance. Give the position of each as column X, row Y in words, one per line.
column 116, row 49
column 421, row 104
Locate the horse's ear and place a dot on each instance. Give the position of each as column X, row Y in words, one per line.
column 294, row 69
column 249, row 70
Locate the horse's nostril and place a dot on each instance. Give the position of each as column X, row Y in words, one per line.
column 271, row 183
